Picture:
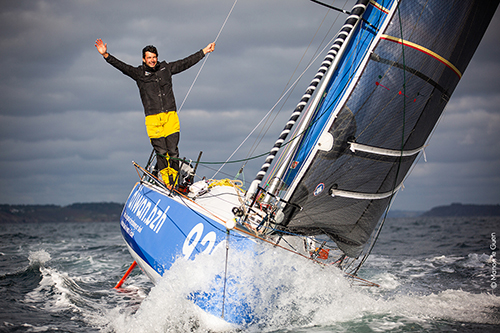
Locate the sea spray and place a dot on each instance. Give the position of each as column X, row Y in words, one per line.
column 282, row 290
column 38, row 258
column 286, row 291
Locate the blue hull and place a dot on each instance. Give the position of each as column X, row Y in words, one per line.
column 160, row 229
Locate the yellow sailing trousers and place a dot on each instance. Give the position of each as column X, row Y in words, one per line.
column 163, row 130
column 162, row 124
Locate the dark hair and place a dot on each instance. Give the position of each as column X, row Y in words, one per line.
column 149, row 48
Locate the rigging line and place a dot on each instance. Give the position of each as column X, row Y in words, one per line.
column 343, row 11
column 414, row 165
column 338, row 96
column 267, row 115
column 206, row 58
column 344, row 36
column 225, row 274
column 312, row 122
column 285, row 93
column 293, row 138
column 227, row 161
column 266, row 240
column 286, row 152
column 315, row 117
column 331, row 7
column 349, row 74
column 402, row 148
column 313, row 58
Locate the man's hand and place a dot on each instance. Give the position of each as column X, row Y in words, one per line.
column 210, row 48
column 101, row 47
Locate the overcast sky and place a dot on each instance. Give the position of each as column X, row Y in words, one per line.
column 70, row 124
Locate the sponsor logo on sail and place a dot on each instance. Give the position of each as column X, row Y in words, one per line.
column 319, row 189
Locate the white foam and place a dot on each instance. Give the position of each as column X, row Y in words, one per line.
column 387, row 281
column 32, row 328
column 440, row 260
column 294, row 292
column 475, row 260
column 456, row 305
column 39, row 257
column 52, row 291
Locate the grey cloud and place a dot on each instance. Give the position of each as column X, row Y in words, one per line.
column 70, row 124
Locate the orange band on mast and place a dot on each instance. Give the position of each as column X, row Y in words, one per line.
column 424, row 50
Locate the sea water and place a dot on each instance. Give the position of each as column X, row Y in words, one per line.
column 435, row 275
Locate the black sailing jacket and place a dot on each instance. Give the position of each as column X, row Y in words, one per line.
column 155, row 84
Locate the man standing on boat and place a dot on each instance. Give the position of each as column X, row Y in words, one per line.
column 154, row 80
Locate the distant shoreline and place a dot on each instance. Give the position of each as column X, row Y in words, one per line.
column 454, row 209
column 78, row 212
column 458, row 209
column 110, row 211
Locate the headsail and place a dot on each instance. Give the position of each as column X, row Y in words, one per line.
column 380, row 106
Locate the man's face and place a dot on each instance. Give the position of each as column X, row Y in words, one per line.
column 151, row 59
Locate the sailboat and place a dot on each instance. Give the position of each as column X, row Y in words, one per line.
column 343, row 155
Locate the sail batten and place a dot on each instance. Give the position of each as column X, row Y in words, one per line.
column 353, row 146
column 362, row 195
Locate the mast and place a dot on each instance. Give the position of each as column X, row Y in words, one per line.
column 336, row 50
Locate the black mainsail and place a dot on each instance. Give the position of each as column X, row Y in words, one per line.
column 381, row 102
